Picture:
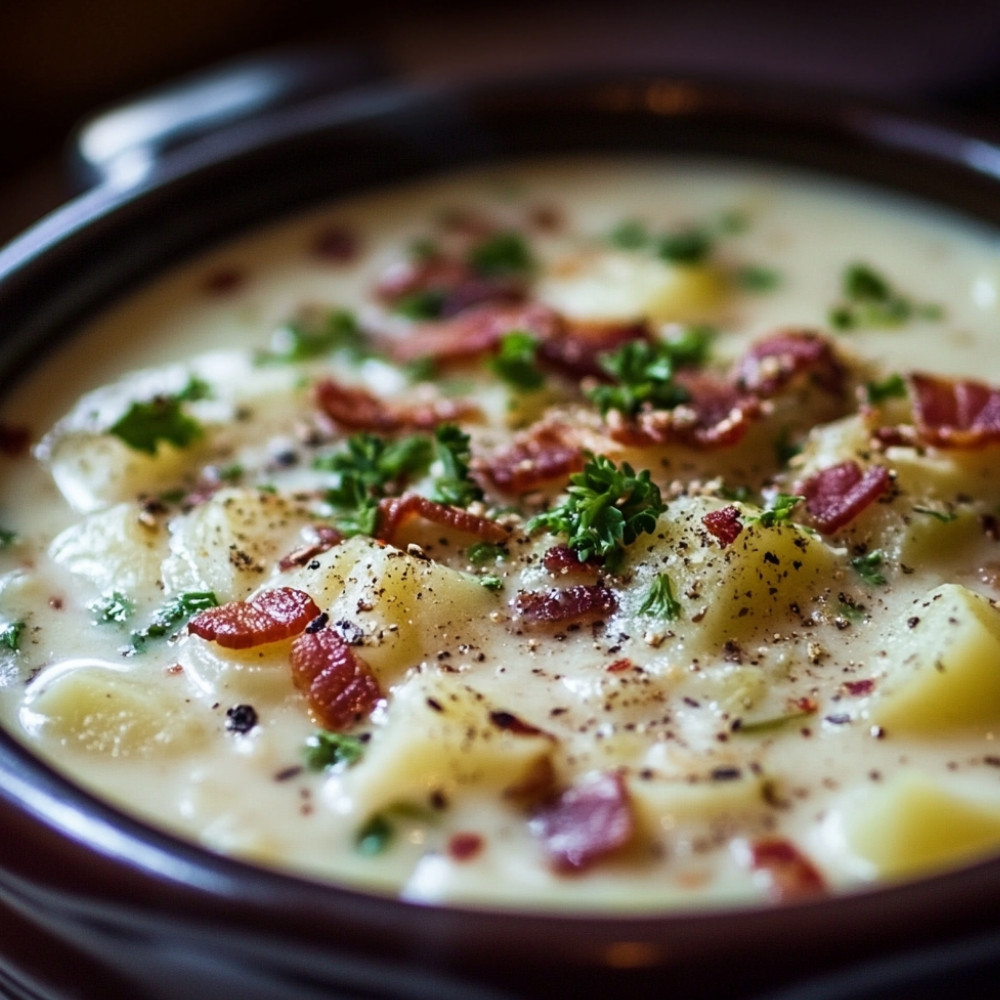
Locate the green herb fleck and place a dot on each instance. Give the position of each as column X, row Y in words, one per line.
column 757, row 278
column 685, row 246
column 195, row 389
column 425, row 304
column 850, row 609
column 630, row 234
column 422, row 369
column 325, row 750
column 503, row 253
column 7, row 537
column 375, row 836
column 868, row 567
column 113, row 607
column 660, row 600
column 779, row 510
column 172, row 614
column 146, row 423
column 891, row 387
column 10, row 636
column 643, row 374
column 484, row 552
column 869, row 300
column 491, row 582
column 785, row 447
column 455, row 485
column 606, row 508
column 944, row 516
column 516, row 361
column 315, row 335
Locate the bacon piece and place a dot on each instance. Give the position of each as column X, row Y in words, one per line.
column 393, row 512
column 269, row 617
column 339, row 685
column 475, row 331
column 789, row 874
column 725, row 524
column 324, row 538
column 535, row 607
column 542, row 455
column 770, row 364
column 716, row 414
column 836, row 495
column 586, row 823
column 464, row 846
column 357, row 409
column 561, row 559
column 955, row 413
column 575, row 348
column 337, row 244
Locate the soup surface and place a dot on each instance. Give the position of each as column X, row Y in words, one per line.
column 611, row 535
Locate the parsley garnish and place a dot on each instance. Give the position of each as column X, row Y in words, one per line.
column 454, row 486
column 484, row 552
column 324, row 750
column 660, row 600
column 868, row 568
column 516, row 362
column 757, row 278
column 7, row 538
column 168, row 617
column 504, row 253
column 375, row 836
column 10, row 636
column 944, row 516
column 491, row 582
column 112, row 607
column 425, row 304
column 629, row 234
column 685, row 246
column 368, row 469
column 775, row 722
column 891, row 387
column 644, row 375
column 146, row 423
column 779, row 510
column 422, row 369
column 312, row 336
column 195, row 389
column 606, row 508
column 869, row 300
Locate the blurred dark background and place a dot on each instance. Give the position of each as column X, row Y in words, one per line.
column 63, row 60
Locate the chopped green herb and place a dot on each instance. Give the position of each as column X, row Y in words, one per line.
column 455, row 485
column 313, row 336
column 491, row 582
column 231, row 473
column 484, row 552
column 425, row 304
column 643, row 374
column 868, row 568
column 871, row 301
column 375, row 836
column 606, row 508
column 629, row 234
column 112, row 607
column 146, row 423
column 850, row 609
column 421, row 369
column 325, row 750
column 757, row 278
column 516, row 362
column 660, row 600
column 504, row 253
column 891, row 387
column 779, row 510
column 944, row 516
column 785, row 448
column 172, row 614
column 195, row 389
column 772, row 723
column 685, row 246
column 10, row 636
column 7, row 538
column 740, row 493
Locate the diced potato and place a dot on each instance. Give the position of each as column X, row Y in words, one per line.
column 911, row 825
column 228, row 544
column 113, row 548
column 105, row 710
column 617, row 287
column 946, row 672
column 407, row 607
column 438, row 736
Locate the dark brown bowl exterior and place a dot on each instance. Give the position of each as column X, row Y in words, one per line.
column 95, row 904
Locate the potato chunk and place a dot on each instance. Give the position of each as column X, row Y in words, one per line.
column 105, row 710
column 912, row 825
column 947, row 672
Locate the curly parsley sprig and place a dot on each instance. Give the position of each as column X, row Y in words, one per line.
column 606, row 508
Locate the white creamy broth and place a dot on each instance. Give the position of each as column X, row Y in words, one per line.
column 774, row 683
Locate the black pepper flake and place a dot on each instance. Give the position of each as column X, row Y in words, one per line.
column 318, row 623
column 434, row 704
column 837, row 720
column 352, row 633
column 287, row 773
column 726, row 773
column 241, row 718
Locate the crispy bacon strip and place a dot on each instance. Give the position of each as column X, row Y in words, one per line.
column 475, row 331
column 770, row 364
column 537, row 607
column 955, row 413
column 339, row 685
column 836, row 495
column 541, row 455
column 393, row 512
column 357, row 409
column 586, row 823
column 269, row 617
column 561, row 559
column 324, row 538
column 574, row 348
column 725, row 524
column 790, row 875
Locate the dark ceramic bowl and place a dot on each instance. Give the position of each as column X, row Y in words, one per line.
column 95, row 904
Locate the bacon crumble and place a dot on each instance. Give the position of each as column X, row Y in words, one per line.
column 789, row 874
column 837, row 494
column 355, row 408
column 536, row 607
column 955, row 413
column 394, row 512
column 268, row 617
column 724, row 524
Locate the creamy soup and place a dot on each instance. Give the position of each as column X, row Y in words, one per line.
column 610, row 535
